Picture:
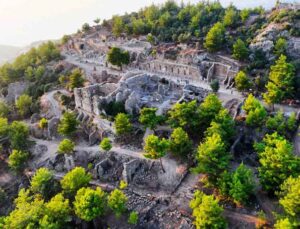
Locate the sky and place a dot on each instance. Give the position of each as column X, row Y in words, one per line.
column 25, row 21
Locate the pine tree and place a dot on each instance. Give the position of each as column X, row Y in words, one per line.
column 242, row 81
column 281, row 81
column 215, row 38
column 212, row 156
column 240, row 50
column 242, row 185
column 207, row 212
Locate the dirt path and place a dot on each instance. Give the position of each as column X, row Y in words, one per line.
column 239, row 217
column 49, row 98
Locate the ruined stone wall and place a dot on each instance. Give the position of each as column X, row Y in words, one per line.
column 170, row 68
column 88, row 98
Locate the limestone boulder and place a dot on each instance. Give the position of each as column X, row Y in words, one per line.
column 52, row 127
column 36, row 131
column 132, row 103
column 35, row 118
column 94, row 138
column 14, row 91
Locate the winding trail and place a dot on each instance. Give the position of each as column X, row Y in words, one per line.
column 49, row 98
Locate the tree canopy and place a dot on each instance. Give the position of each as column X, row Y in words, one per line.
column 148, row 117
column 89, row 203
column 207, row 212
column 68, row 124
column 212, row 156
column 18, row 135
column 277, row 161
column 42, row 182
column 242, row 81
column 256, row 113
column 122, row 124
column 66, row 146
column 74, row 180
column 105, row 144
column 281, row 81
column 23, row 104
column 117, row 202
column 118, row 57
column 240, row 50
column 215, row 38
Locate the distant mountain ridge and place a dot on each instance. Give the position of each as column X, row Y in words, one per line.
column 8, row 52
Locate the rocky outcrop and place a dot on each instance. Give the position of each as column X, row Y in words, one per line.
column 52, row 127
column 266, row 39
column 14, row 90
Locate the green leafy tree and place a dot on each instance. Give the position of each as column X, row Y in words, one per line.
column 184, row 115
column 240, row 50
column 117, row 202
column 290, row 196
column 280, row 47
column 242, row 81
column 68, row 124
column 89, row 203
column 250, row 103
column 18, row 135
column 223, row 124
column 66, row 146
column 242, row 185
column 180, row 144
column 65, row 39
column 74, row 180
column 27, row 213
column 105, row 144
column 133, row 218
column 4, row 127
column 244, row 14
column 215, row 85
column 57, row 213
column 224, row 183
column 39, row 72
column 122, row 124
column 118, row 57
column 86, row 27
column 156, row 148
column 150, row 38
column 277, row 161
column 230, row 17
column 208, row 109
column 212, row 156
column 43, row 123
column 118, row 26
column 76, row 79
column 4, row 109
column 281, row 81
column 17, row 159
column 284, row 224
column 277, row 123
column 292, row 122
column 207, row 212
column 148, row 117
column 23, row 104
column 97, row 21
column 29, row 73
column 215, row 38
column 43, row 182
column 256, row 113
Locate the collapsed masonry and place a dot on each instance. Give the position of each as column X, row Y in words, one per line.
column 135, row 92
column 201, row 69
